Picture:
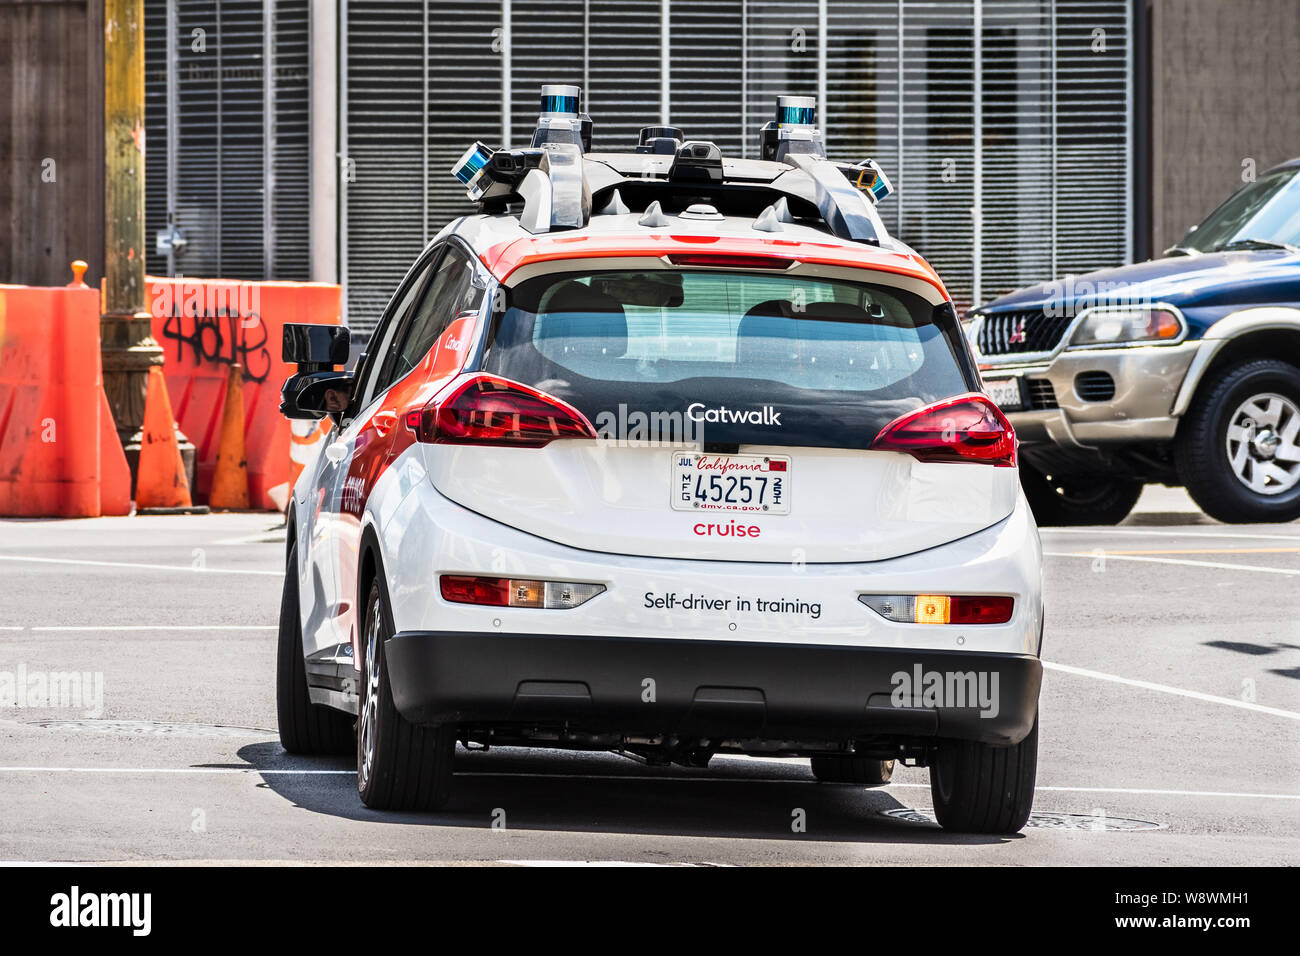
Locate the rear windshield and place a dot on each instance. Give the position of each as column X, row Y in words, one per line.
column 828, row 358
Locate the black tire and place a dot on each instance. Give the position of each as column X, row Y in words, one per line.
column 863, row 771
column 1201, row 454
column 1075, row 500
column 979, row 788
column 411, row 765
column 305, row 728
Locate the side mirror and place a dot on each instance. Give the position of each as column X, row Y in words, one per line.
column 319, row 388
column 319, row 346
column 316, row 394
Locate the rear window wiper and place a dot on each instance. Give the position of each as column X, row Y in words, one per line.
column 1256, row 244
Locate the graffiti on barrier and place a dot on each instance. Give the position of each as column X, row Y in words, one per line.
column 215, row 324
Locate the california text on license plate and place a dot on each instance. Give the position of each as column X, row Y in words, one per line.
column 1005, row 393
column 758, row 484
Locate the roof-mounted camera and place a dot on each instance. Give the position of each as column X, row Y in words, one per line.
column 560, row 120
column 793, row 131
column 663, row 140
column 697, row 161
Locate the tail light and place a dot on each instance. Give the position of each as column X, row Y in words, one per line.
column 487, row 410
column 515, row 592
column 941, row 608
column 967, row 428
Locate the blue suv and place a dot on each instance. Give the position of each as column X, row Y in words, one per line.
column 1183, row 371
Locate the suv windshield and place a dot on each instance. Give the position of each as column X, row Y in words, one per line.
column 1268, row 209
column 835, row 360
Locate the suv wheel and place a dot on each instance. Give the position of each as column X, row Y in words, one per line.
column 980, row 788
column 843, row 768
column 1238, row 450
column 1080, row 499
column 305, row 728
column 400, row 766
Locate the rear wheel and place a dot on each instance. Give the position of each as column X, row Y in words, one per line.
column 1238, row 450
column 305, row 728
column 1074, row 500
column 979, row 788
column 400, row 765
column 864, row 771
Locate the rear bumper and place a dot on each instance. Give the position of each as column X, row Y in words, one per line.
column 715, row 689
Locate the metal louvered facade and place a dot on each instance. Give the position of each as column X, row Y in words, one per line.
column 1005, row 125
column 226, row 118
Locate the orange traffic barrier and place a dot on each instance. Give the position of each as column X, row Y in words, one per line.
column 205, row 326
column 230, row 478
column 50, row 404
column 160, row 480
column 114, row 473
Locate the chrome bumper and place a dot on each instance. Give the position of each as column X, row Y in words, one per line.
column 1147, row 380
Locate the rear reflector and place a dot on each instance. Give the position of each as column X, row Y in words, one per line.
column 717, row 261
column 515, row 592
column 941, row 608
column 488, row 410
column 966, row 428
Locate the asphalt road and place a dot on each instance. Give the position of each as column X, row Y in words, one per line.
column 1172, row 698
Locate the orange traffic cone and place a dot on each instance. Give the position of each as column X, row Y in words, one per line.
column 114, row 475
column 230, row 480
column 160, row 480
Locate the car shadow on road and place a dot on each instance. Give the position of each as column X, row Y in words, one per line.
column 603, row 793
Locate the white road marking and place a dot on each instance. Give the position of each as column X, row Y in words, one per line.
column 891, row 786
column 571, row 863
column 666, row 778
column 1178, row 691
column 1140, row 791
column 188, row 569
column 157, row 627
column 1108, row 556
column 201, row 770
column 1161, row 532
column 266, row 537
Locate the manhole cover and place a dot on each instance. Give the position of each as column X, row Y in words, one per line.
column 151, row 728
column 1046, row 821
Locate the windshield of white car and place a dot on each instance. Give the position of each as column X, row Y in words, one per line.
column 1265, row 211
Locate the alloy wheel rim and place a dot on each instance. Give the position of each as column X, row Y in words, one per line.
column 1262, row 444
column 370, row 700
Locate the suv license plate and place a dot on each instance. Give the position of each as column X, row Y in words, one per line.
column 751, row 484
column 1005, row 393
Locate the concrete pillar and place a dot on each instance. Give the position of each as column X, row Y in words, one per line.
column 326, row 146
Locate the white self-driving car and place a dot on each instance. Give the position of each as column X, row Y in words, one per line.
column 667, row 454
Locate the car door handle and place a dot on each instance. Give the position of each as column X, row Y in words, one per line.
column 384, row 421
column 336, row 452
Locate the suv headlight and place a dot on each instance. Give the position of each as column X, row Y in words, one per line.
column 1126, row 325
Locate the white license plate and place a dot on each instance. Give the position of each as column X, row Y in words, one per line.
column 1005, row 393
column 751, row 484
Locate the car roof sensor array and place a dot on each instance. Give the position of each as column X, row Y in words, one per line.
column 558, row 180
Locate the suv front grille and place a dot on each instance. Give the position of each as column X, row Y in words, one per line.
column 1010, row 333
